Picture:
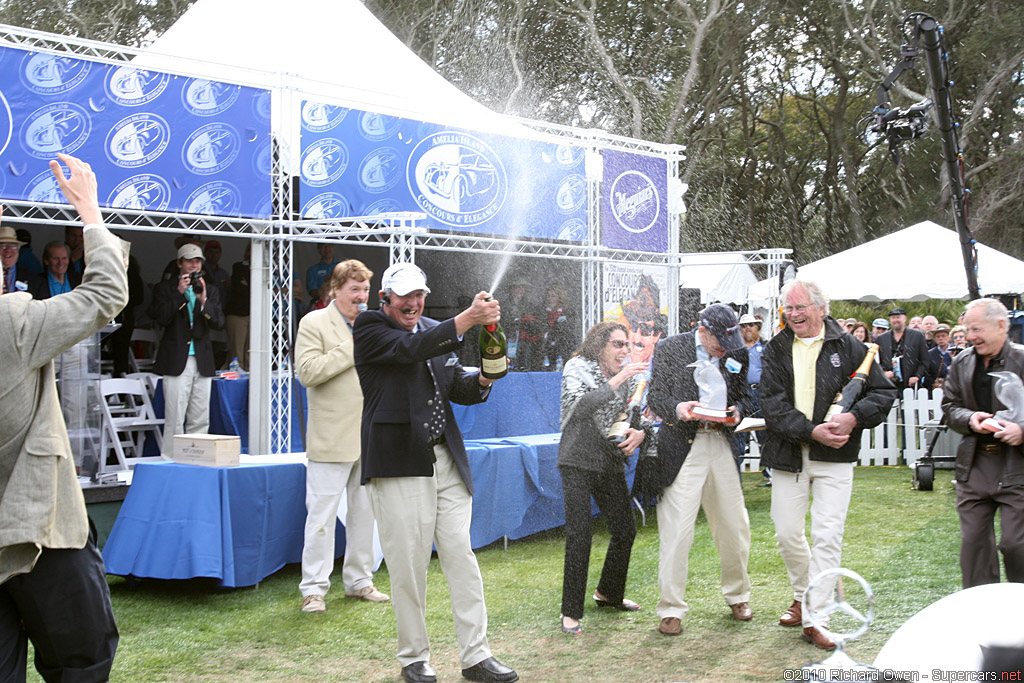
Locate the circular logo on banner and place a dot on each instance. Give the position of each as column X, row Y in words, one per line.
column 324, row 161
column 137, row 140
column 573, row 230
column 325, row 206
column 261, row 106
column 131, row 87
column 456, row 178
column 203, row 97
column 6, row 124
column 381, row 206
column 569, row 155
column 374, row 126
column 211, row 148
column 261, row 159
column 52, row 74
column 145, row 191
column 635, row 202
column 318, row 117
column 43, row 188
column 380, row 170
column 219, row 198
column 571, row 194
column 59, row 127
column 265, row 207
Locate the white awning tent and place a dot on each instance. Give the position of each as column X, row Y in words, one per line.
column 918, row 263
column 723, row 277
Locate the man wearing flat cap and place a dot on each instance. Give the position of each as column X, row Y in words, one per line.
column 415, row 468
column 699, row 463
column 187, row 309
column 903, row 352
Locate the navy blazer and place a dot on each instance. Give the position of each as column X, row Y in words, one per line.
column 673, row 383
column 170, row 309
column 398, row 394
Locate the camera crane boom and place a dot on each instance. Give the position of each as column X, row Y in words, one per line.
column 899, row 125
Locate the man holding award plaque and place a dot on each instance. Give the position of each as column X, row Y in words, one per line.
column 698, row 386
column 819, row 388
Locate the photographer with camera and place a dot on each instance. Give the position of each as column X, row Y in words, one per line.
column 187, row 309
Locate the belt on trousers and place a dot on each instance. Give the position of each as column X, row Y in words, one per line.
column 437, row 440
column 988, row 448
column 754, row 386
column 708, row 426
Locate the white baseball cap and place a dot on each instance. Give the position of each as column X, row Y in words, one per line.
column 402, row 278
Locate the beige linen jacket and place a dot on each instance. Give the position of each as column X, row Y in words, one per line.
column 41, row 503
column 325, row 362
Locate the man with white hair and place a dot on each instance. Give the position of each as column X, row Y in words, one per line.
column 989, row 459
column 928, row 324
column 810, row 453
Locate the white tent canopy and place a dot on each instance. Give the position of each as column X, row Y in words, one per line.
column 721, row 277
column 917, row 263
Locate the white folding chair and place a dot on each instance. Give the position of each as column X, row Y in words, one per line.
column 148, row 379
column 128, row 417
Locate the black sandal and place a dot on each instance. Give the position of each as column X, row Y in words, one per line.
column 624, row 606
column 571, row 630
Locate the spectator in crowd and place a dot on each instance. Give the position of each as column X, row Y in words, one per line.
column 989, row 459
column 55, row 278
column 320, row 272
column 928, row 324
column 958, row 339
column 219, row 276
column 809, row 455
column 879, row 327
column 76, row 246
column 13, row 281
column 939, row 358
column 171, row 270
column 597, row 383
column 559, row 332
column 27, row 261
column 323, row 301
column 521, row 326
column 699, row 463
column 902, row 352
column 750, row 326
column 300, row 301
column 187, row 308
column 916, row 323
column 415, row 466
column 861, row 332
column 53, row 587
column 237, row 320
column 325, row 362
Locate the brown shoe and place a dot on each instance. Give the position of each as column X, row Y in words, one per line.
column 793, row 616
column 813, row 635
column 670, row 626
column 741, row 611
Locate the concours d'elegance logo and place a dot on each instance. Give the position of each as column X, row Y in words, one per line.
column 381, row 206
column 144, row 191
column 137, row 140
column 211, row 148
column 52, row 74
column 130, row 87
column 323, row 162
column 634, row 200
column 374, row 126
column 325, row 206
column 219, row 198
column 43, row 188
column 571, row 194
column 203, row 97
column 380, row 170
column 59, row 127
column 318, row 117
column 457, row 178
column 569, row 156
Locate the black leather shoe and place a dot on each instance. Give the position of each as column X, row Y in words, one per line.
column 419, row 672
column 490, row 670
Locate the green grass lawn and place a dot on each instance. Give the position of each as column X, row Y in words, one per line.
column 904, row 542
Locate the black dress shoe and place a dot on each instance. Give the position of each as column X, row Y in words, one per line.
column 490, row 670
column 419, row 672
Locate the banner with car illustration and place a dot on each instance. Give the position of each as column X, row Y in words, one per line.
column 157, row 141
column 359, row 163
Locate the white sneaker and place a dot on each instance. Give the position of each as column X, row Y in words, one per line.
column 370, row 594
column 314, row 603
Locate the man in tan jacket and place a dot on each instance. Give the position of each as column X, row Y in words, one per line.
column 53, row 588
column 325, row 363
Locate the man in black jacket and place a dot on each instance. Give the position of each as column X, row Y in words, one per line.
column 187, row 309
column 415, row 467
column 803, row 368
column 905, row 345
column 699, row 463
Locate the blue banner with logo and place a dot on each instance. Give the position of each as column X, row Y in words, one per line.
column 634, row 202
column 156, row 141
column 358, row 163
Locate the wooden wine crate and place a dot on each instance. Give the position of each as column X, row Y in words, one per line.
column 209, row 450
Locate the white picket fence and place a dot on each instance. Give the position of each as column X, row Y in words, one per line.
column 882, row 445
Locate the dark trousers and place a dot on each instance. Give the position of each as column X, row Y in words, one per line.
column 63, row 607
column 612, row 496
column 977, row 500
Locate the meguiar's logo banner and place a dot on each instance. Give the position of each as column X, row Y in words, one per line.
column 634, row 202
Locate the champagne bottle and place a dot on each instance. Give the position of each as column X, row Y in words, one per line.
column 493, row 352
column 845, row 399
column 629, row 417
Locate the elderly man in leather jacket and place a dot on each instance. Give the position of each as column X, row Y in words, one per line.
column 990, row 458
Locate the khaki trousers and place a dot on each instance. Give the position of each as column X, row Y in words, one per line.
column 186, row 404
column 326, row 483
column 830, row 485
column 237, row 327
column 708, row 479
column 413, row 514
